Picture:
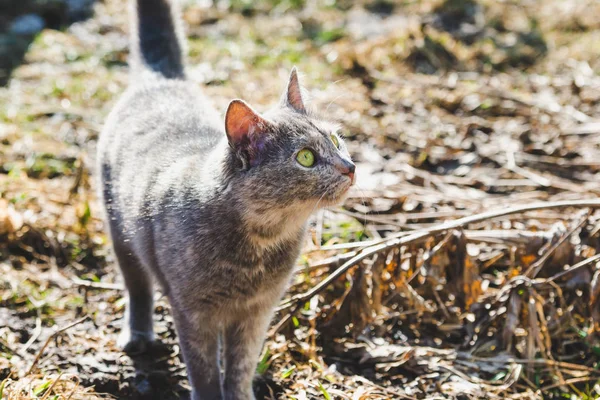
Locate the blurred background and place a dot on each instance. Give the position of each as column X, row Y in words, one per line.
column 449, row 107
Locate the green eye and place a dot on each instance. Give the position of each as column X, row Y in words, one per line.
column 306, row 158
column 335, row 141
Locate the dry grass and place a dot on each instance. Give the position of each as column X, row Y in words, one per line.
column 50, row 387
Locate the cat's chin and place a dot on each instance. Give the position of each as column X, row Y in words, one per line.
column 335, row 199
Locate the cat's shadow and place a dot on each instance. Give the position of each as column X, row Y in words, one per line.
column 161, row 375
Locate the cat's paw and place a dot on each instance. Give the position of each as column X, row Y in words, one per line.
column 135, row 342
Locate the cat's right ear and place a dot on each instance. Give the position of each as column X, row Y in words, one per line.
column 293, row 96
column 244, row 128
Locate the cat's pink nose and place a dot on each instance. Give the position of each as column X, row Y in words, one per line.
column 347, row 168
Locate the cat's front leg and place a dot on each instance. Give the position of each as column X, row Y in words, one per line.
column 199, row 340
column 244, row 339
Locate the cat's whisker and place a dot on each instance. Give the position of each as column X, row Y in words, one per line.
column 334, row 100
column 318, row 201
column 362, row 199
column 313, row 210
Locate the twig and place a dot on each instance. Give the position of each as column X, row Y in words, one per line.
column 378, row 219
column 535, row 361
column 97, row 285
column 590, row 128
column 61, row 330
column 436, row 249
column 575, row 267
column 496, row 236
column 511, row 165
column 441, row 303
column 386, row 390
column 74, row 389
column 595, row 230
column 395, row 242
column 534, row 268
column 327, row 262
column 567, row 382
column 36, row 334
column 555, row 182
column 49, row 390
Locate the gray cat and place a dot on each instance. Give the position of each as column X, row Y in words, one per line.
column 217, row 216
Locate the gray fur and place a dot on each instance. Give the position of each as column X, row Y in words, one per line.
column 218, row 224
column 157, row 41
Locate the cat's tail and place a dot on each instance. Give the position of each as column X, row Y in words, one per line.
column 157, row 43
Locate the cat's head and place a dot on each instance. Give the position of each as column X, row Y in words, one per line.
column 288, row 157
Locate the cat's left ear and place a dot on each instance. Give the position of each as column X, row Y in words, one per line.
column 245, row 130
column 293, row 96
column 242, row 123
